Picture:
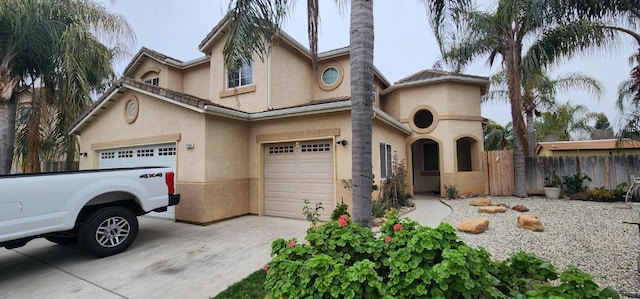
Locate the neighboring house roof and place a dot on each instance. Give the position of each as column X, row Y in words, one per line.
column 204, row 106
column 434, row 76
column 146, row 53
column 602, row 144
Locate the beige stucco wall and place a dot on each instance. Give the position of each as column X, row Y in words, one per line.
column 383, row 133
column 250, row 98
column 344, row 75
column 456, row 110
column 196, row 80
column 291, row 77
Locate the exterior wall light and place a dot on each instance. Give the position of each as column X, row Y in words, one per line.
column 342, row 142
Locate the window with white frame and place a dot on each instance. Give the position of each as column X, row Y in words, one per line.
column 386, row 169
column 240, row 77
column 153, row 81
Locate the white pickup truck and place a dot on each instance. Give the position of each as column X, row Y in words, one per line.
column 95, row 208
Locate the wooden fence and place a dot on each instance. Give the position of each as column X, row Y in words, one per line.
column 605, row 171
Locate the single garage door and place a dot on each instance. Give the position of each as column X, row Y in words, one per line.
column 148, row 155
column 295, row 172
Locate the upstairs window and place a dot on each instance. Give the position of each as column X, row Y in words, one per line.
column 153, row 81
column 240, row 77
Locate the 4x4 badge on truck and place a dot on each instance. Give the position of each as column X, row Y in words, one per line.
column 151, row 175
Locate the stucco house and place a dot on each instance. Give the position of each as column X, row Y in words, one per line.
column 263, row 138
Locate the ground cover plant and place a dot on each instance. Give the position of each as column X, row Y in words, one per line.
column 250, row 287
column 341, row 259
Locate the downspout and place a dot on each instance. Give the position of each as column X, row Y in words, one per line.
column 269, row 82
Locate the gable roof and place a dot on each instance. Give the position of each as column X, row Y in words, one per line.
column 431, row 76
column 146, row 53
column 118, row 87
column 220, row 29
column 601, row 144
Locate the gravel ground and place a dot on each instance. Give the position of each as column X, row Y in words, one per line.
column 588, row 235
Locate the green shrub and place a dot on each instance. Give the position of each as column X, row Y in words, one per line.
column 601, row 194
column 406, row 260
column 341, row 209
column 573, row 184
column 620, row 190
column 451, row 191
column 378, row 207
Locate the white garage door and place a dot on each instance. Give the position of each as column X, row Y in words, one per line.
column 294, row 173
column 148, row 155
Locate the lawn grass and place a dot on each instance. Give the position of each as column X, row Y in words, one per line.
column 250, row 287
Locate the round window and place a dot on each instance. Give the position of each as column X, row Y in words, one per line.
column 423, row 119
column 330, row 76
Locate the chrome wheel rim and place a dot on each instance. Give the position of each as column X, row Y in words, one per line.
column 112, row 231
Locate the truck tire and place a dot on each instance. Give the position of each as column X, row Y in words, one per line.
column 108, row 231
column 62, row 240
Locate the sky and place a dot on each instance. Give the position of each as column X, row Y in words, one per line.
column 404, row 43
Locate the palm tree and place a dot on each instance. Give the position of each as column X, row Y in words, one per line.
column 497, row 137
column 526, row 36
column 622, row 16
column 255, row 23
column 539, row 92
column 58, row 46
column 564, row 120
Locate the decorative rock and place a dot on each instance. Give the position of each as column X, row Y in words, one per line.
column 474, row 226
column 520, row 208
column 503, row 205
column 530, row 222
column 481, row 202
column 492, row 209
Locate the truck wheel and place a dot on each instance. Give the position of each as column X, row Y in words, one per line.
column 108, row 231
column 62, row 240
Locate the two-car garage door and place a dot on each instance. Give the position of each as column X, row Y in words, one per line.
column 148, row 155
column 297, row 171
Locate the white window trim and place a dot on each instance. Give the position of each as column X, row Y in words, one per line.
column 240, row 76
column 153, row 81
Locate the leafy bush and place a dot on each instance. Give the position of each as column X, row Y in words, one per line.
column 378, row 207
column 394, row 188
column 573, row 184
column 620, row 190
column 341, row 209
column 451, row 191
column 601, row 194
column 312, row 214
column 553, row 180
column 406, row 260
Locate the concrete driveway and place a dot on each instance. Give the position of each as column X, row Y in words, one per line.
column 167, row 260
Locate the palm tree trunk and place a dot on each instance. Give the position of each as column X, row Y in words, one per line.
column 361, row 56
column 512, row 61
column 531, row 134
column 7, row 133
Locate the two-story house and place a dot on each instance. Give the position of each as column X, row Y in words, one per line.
column 263, row 138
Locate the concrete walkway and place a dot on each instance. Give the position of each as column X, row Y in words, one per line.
column 429, row 210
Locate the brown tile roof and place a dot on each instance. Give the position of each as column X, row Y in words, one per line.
column 213, row 31
column 151, row 53
column 130, row 83
column 588, row 144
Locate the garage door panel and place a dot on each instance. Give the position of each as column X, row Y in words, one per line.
column 294, row 173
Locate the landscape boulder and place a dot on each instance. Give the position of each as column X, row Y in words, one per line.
column 520, row 208
column 492, row 209
column 481, row 202
column 530, row 222
column 474, row 226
